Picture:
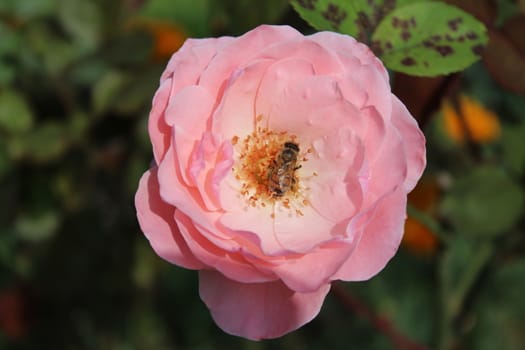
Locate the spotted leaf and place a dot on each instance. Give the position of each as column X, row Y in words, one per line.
column 429, row 39
column 357, row 18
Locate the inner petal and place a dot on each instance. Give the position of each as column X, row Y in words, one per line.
column 338, row 159
column 236, row 113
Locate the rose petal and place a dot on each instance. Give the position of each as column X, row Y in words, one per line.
column 332, row 189
column 257, row 310
column 191, row 59
column 172, row 188
column 377, row 89
column 309, row 272
column 414, row 142
column 380, row 239
column 370, row 74
column 187, row 114
column 289, row 92
column 235, row 116
column 210, row 163
column 156, row 219
column 291, row 99
column 218, row 172
column 189, row 202
column 159, row 131
column 231, row 264
column 300, row 232
column 386, row 158
column 184, row 198
column 335, row 164
column 241, row 220
column 324, row 62
column 243, row 49
column 348, row 49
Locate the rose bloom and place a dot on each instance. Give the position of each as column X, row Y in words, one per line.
column 282, row 163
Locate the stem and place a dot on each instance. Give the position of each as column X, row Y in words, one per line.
column 449, row 84
column 383, row 325
column 452, row 299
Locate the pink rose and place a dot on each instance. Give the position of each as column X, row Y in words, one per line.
column 282, row 163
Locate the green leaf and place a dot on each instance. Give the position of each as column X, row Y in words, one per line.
column 405, row 286
column 459, row 269
column 78, row 126
column 7, row 74
column 238, row 16
column 126, row 93
column 485, row 202
column 357, row 18
column 10, row 40
column 7, row 245
column 45, row 143
column 129, row 48
column 462, row 262
column 26, row 9
column 136, row 97
column 82, row 20
column 107, row 89
column 87, row 71
column 15, row 114
column 145, row 268
column 192, row 15
column 5, row 163
column 37, row 227
column 513, row 142
column 429, row 39
column 500, row 310
column 55, row 52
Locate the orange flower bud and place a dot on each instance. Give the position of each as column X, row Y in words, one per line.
column 474, row 121
column 168, row 39
column 418, row 238
column 167, row 36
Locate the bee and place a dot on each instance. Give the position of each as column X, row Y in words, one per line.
column 281, row 175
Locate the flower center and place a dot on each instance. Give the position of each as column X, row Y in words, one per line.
column 268, row 167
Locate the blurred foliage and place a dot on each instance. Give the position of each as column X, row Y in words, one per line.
column 76, row 82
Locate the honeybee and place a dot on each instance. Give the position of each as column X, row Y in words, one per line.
column 281, row 175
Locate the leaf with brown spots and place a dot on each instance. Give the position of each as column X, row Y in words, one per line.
column 484, row 10
column 429, row 39
column 357, row 18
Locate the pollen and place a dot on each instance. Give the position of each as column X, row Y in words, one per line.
column 267, row 177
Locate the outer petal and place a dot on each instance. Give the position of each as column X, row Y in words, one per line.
column 257, row 310
column 183, row 69
column 159, row 131
column 309, row 272
column 187, row 114
column 244, row 49
column 231, row 264
column 191, row 59
column 414, row 142
column 379, row 241
column 387, row 160
column 158, row 224
column 349, row 49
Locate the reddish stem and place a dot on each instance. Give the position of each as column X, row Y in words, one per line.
column 383, row 325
